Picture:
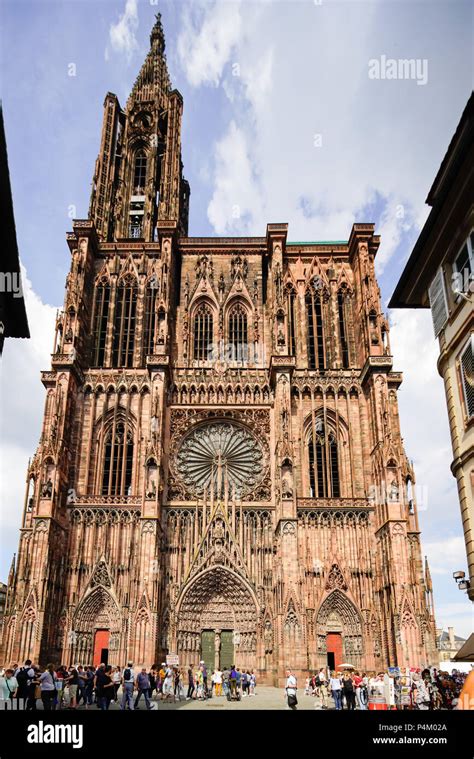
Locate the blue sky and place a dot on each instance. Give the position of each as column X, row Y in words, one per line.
column 280, row 120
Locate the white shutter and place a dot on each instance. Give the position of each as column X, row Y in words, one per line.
column 438, row 302
column 467, row 374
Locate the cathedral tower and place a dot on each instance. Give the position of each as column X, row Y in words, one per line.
column 220, row 472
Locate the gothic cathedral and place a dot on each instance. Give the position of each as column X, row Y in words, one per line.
column 220, row 472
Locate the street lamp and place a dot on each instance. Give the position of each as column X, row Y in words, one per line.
column 461, row 582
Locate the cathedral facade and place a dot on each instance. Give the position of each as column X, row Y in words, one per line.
column 220, row 473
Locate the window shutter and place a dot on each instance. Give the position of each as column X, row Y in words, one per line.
column 467, row 373
column 438, row 302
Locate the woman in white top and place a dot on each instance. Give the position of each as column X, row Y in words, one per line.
column 117, row 681
column 217, row 679
column 290, row 689
column 336, row 690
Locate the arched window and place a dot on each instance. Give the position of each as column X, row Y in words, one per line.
column 118, row 461
column 323, row 462
column 149, row 319
column 203, row 332
column 124, row 327
column 238, row 337
column 315, row 332
column 343, row 329
column 139, row 172
column 291, row 304
column 99, row 330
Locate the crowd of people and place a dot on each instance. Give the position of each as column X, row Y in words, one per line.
column 61, row 687
column 86, row 686
column 406, row 689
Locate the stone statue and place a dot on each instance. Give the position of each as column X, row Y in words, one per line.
column 47, row 489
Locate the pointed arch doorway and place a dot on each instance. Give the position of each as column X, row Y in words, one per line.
column 339, row 631
column 217, row 620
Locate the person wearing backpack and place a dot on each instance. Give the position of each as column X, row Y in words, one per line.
column 128, row 684
column 26, row 688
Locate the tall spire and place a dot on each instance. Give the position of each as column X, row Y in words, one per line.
column 153, row 80
column 157, row 36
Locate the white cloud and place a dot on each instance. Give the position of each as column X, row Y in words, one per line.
column 209, row 34
column 292, row 85
column 458, row 614
column 22, row 399
column 122, row 34
column 445, row 556
column 235, row 204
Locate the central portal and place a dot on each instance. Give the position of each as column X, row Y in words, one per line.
column 217, row 649
column 217, row 620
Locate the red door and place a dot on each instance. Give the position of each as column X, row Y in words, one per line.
column 334, row 646
column 101, row 647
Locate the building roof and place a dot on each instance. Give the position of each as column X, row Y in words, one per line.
column 443, row 637
column 12, row 307
column 466, row 652
column 421, row 267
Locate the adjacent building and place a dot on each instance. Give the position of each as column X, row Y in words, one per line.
column 13, row 319
column 220, row 473
column 440, row 275
column 448, row 644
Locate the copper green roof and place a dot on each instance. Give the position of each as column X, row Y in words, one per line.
column 318, row 242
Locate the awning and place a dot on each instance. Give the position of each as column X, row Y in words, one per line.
column 466, row 652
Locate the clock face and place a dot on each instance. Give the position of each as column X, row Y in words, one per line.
column 220, row 455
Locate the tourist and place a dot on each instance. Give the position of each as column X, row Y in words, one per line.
column 199, row 683
column 244, row 683
column 104, row 687
column 117, row 681
column 218, row 682
column 290, row 690
column 225, row 681
column 349, row 691
column 204, row 678
column 177, row 683
column 26, row 687
column 168, row 683
column 359, row 690
column 336, row 690
column 190, row 692
column 322, row 688
column 153, row 675
column 238, row 680
column 253, row 683
column 143, row 688
column 48, row 688
column 73, row 683
column 128, row 684
column 161, row 679
column 89, row 688
column 9, row 685
column 233, row 682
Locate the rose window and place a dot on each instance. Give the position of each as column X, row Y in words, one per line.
column 220, row 455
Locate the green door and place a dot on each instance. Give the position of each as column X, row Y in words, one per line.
column 227, row 650
column 208, row 648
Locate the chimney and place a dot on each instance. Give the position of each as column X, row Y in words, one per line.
column 451, row 636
